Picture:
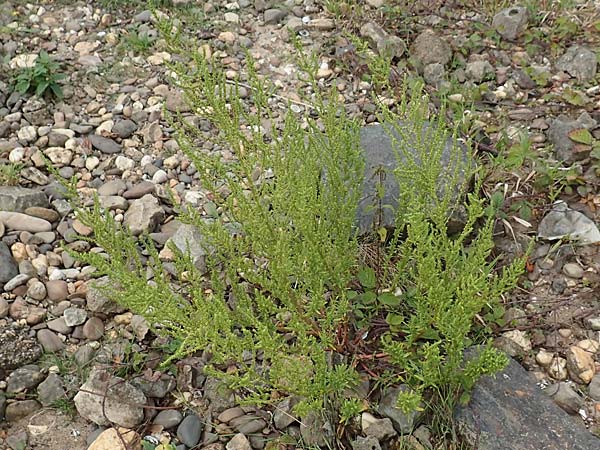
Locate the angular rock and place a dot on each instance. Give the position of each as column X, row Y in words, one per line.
column 380, row 40
column 97, row 300
column 511, row 22
column 51, row 390
column 316, row 431
column 580, row 365
column 188, row 240
column 156, row 389
column 74, row 316
column 93, row 329
column 566, row 149
column 563, row 222
column 579, row 62
column 273, row 16
column 239, row 442
column 144, row 215
column 380, row 429
column 124, row 128
column 18, row 199
column 510, row 412
column 123, row 404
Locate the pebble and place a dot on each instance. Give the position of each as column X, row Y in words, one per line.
column 57, row 290
column 239, row 442
column 93, row 329
column 24, row 222
column 50, row 341
column 573, row 270
column 168, row 418
column 190, row 430
column 74, row 316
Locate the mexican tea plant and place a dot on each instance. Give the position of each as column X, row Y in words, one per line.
column 274, row 298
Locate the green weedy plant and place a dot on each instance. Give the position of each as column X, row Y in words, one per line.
column 275, row 299
column 41, row 78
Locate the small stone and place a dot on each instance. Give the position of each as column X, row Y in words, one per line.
column 105, row 145
column 380, row 429
column 16, row 198
column 239, row 442
column 573, row 270
column 144, row 215
column 23, row 222
column 104, row 398
column 565, row 397
column 59, row 326
column 51, row 390
column 479, row 71
column 37, row 290
column 112, row 439
column 544, row 358
column 511, row 22
column 20, row 409
column 74, row 316
column 24, row 378
column 594, row 388
column 579, row 62
column 231, row 17
column 365, row 443
column 429, row 48
column 97, row 300
column 273, row 16
column 558, row 368
column 17, row 440
column 124, row 128
column 57, row 290
column 93, row 329
column 168, row 418
column 50, row 341
column 580, row 365
column 190, row 430
column 232, row 413
column 16, row 281
column 8, row 266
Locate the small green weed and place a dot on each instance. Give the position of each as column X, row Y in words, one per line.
column 43, row 77
column 138, row 42
column 9, row 174
column 66, row 406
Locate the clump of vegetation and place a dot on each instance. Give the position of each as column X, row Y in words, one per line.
column 40, row 79
column 10, row 174
column 275, row 300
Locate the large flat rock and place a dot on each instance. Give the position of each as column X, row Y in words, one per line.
column 510, row 412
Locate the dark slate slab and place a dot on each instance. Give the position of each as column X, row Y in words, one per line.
column 384, row 147
column 16, row 198
column 510, row 412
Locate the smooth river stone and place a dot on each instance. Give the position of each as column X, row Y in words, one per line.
column 23, row 222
